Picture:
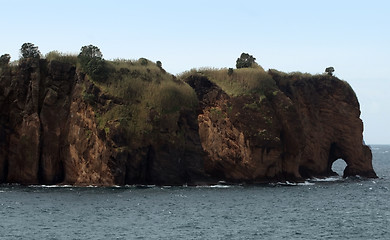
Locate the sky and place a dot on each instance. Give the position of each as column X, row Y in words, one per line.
column 353, row 36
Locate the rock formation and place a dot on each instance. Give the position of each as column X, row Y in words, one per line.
column 294, row 131
column 50, row 133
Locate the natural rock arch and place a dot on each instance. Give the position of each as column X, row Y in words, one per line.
column 335, row 153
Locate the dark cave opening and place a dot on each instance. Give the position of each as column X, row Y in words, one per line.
column 336, row 163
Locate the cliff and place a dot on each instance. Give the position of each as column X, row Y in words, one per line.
column 57, row 126
column 293, row 129
column 144, row 126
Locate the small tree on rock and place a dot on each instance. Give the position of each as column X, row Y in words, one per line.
column 230, row 71
column 329, row 71
column 4, row 59
column 92, row 62
column 143, row 61
column 245, row 61
column 88, row 53
column 29, row 50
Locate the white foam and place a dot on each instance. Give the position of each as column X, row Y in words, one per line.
column 327, row 179
column 306, row 183
column 220, row 186
column 286, row 183
column 50, row 186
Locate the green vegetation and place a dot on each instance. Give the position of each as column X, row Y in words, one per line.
column 29, row 50
column 92, row 62
column 276, row 74
column 230, row 71
column 217, row 113
column 4, row 60
column 249, row 78
column 62, row 57
column 329, row 71
column 149, row 98
column 243, row 81
column 137, row 99
column 245, row 61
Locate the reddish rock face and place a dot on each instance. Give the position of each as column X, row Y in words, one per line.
column 296, row 131
column 49, row 133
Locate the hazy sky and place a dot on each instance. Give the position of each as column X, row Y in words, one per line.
column 307, row 36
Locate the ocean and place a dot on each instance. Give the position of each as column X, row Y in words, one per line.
column 332, row 208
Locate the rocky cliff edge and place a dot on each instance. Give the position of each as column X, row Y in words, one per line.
column 59, row 127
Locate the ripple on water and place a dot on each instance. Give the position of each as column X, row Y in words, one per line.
column 330, row 208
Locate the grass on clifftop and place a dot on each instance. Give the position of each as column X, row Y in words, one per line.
column 150, row 97
column 142, row 95
column 242, row 81
column 62, row 57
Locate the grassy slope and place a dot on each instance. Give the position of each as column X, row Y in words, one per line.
column 243, row 81
column 142, row 97
column 150, row 98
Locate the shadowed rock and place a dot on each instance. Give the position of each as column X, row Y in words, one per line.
column 295, row 132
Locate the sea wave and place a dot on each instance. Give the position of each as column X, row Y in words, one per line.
column 220, row 186
column 287, row 183
column 51, row 186
column 327, row 179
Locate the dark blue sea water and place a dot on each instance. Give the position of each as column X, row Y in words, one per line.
column 333, row 208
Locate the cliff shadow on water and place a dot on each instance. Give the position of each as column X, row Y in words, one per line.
column 137, row 124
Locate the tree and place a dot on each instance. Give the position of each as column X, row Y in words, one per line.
column 159, row 64
column 329, row 70
column 143, row 61
column 245, row 61
column 88, row 53
column 92, row 62
column 29, row 50
column 4, row 59
column 230, row 71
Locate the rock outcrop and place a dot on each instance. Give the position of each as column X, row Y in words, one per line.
column 50, row 132
column 293, row 131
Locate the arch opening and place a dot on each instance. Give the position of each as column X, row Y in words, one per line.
column 336, row 162
column 338, row 166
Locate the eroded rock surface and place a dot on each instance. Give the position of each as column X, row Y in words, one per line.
column 293, row 132
column 50, row 133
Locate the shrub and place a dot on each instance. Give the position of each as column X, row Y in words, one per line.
column 145, row 97
column 143, row 61
column 28, row 50
column 61, row 57
column 245, row 61
column 329, row 70
column 230, row 71
column 4, row 59
column 242, row 82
